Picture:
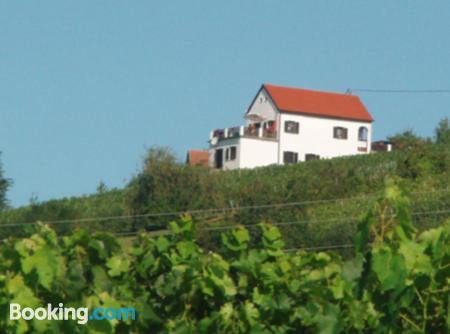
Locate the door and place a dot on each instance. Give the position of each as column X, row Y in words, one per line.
column 218, row 158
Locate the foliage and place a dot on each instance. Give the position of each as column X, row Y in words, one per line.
column 398, row 281
column 5, row 183
column 407, row 140
column 443, row 132
column 102, row 188
column 68, row 211
column 172, row 187
column 164, row 185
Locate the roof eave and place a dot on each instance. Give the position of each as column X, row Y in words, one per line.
column 326, row 116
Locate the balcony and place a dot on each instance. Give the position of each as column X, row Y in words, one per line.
column 250, row 131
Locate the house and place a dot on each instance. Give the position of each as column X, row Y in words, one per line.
column 288, row 125
column 197, row 158
column 382, row 146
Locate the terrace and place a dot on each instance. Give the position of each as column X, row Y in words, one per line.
column 265, row 131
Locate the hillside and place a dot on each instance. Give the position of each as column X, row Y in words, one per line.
column 314, row 203
column 397, row 282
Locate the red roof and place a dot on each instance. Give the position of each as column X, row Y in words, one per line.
column 197, row 158
column 317, row 103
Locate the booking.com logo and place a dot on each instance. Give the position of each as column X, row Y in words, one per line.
column 81, row 314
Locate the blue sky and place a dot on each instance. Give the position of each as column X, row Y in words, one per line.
column 86, row 86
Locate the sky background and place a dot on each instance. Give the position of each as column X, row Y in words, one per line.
column 87, row 86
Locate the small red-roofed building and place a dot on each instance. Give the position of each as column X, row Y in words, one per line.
column 288, row 125
column 197, row 158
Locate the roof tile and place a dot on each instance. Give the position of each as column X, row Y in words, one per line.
column 198, row 158
column 317, row 103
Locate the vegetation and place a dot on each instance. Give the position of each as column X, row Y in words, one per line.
column 4, row 185
column 105, row 204
column 443, row 132
column 244, row 267
column 397, row 282
column 163, row 185
column 315, row 203
column 407, row 140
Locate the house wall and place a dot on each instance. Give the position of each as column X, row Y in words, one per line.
column 316, row 137
column 263, row 106
column 250, row 153
column 224, row 144
column 257, row 152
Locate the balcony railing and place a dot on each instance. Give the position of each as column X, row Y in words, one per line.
column 270, row 133
column 249, row 131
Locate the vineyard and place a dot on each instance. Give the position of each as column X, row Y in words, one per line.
column 329, row 246
column 396, row 282
column 321, row 200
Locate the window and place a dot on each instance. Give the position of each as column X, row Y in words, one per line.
column 270, row 125
column 363, row 133
column 291, row 127
column 340, row 132
column 290, row 157
column 310, row 156
column 232, row 152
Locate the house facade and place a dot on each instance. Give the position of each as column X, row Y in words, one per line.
column 289, row 125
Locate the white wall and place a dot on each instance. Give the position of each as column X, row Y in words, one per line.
column 263, row 106
column 257, row 152
column 316, row 137
column 224, row 144
column 250, row 153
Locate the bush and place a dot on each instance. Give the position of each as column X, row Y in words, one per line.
column 5, row 183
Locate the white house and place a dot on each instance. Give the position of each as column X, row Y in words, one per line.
column 288, row 125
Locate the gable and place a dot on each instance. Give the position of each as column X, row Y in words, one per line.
column 262, row 106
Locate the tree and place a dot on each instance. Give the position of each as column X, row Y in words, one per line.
column 102, row 188
column 150, row 188
column 4, row 185
column 165, row 184
column 159, row 157
column 442, row 132
column 407, row 139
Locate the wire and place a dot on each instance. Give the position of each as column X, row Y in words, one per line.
column 313, row 248
column 420, row 213
column 178, row 213
column 401, row 91
column 298, row 222
column 316, row 248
